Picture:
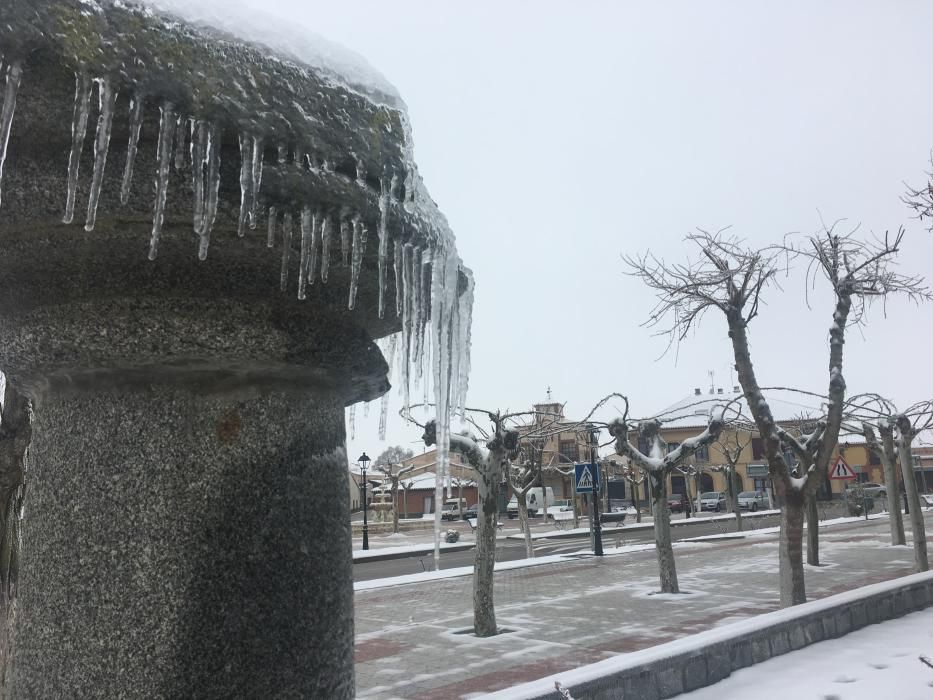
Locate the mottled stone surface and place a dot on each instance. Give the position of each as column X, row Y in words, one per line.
column 185, row 546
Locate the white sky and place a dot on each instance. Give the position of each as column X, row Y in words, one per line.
column 557, row 136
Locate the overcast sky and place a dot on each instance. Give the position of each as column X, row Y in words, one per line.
column 557, row 136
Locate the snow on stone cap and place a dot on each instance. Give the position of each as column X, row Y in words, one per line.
column 286, row 40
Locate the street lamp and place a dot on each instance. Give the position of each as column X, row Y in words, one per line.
column 363, row 461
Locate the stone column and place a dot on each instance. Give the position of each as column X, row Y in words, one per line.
column 185, row 545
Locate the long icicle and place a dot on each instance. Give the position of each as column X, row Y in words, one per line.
column 82, row 108
column 359, row 246
column 307, row 233
column 383, row 243
column 13, row 78
column 345, row 240
column 317, row 225
column 246, row 182
column 137, row 106
column 286, row 248
column 326, row 227
column 199, row 146
column 166, row 132
column 108, row 99
column 213, row 189
column 256, row 174
column 181, row 127
column 397, row 269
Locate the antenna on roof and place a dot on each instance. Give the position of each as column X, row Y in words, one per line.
column 549, row 393
column 712, row 381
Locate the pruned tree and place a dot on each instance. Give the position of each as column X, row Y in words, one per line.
column 730, row 278
column 393, row 473
column 657, row 465
column 731, row 445
column 909, row 425
column 872, row 416
column 396, row 454
column 634, row 478
column 522, row 477
column 490, row 462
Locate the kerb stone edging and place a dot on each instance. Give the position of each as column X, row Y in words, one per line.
column 702, row 659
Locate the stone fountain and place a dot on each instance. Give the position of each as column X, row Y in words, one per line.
column 179, row 352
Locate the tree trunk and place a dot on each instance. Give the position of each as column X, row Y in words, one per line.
column 813, row 530
column 790, row 549
column 662, row 533
column 395, row 507
column 636, row 501
column 918, row 530
column 484, row 611
column 526, row 526
column 888, row 457
column 734, row 497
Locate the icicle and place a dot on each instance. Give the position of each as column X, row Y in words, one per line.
column 397, row 269
column 256, row 176
column 180, row 128
column 137, row 105
column 317, row 226
column 415, row 283
column 199, row 146
column 270, row 234
column 383, row 242
column 108, row 98
column 165, row 163
column 246, row 182
column 307, row 242
column 360, row 174
column 366, row 409
column 406, row 313
column 351, row 419
column 82, row 108
column 465, row 300
column 286, row 248
column 359, row 247
column 345, row 241
column 213, row 189
column 14, row 76
column 390, row 351
column 282, row 154
column 326, row 226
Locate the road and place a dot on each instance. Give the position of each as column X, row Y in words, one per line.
column 511, row 549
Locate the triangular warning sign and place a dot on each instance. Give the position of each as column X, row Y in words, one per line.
column 586, row 480
column 841, row 470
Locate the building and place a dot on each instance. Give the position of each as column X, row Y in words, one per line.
column 690, row 416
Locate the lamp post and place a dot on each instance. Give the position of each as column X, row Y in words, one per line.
column 597, row 528
column 363, row 461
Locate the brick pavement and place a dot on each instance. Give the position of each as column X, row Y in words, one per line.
column 580, row 611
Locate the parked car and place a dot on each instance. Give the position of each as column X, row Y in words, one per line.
column 753, row 500
column 713, row 500
column 471, row 513
column 874, row 490
column 677, row 502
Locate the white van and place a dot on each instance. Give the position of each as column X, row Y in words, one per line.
column 453, row 509
column 535, row 499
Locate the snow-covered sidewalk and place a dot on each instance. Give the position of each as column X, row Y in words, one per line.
column 875, row 662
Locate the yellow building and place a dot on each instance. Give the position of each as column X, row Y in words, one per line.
column 690, row 416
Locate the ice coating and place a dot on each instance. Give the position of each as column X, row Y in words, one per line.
column 82, row 108
column 137, row 105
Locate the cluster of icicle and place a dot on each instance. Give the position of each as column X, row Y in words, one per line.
column 187, row 141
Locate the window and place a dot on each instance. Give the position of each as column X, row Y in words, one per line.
column 568, row 451
column 873, row 458
column 671, row 446
column 758, row 448
column 643, row 445
column 702, row 454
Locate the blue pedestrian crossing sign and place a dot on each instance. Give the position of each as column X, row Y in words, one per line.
column 586, row 477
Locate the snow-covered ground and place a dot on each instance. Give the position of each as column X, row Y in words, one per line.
column 880, row 661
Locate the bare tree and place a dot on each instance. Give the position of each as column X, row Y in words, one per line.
column 873, row 415
column 522, row 477
column 731, row 445
column 910, row 424
column 396, row 454
column 657, row 465
column 730, row 278
column 489, row 462
column 393, row 473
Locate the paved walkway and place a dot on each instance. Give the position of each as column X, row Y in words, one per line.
column 567, row 614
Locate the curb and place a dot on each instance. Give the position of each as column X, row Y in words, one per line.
column 420, row 552
column 708, row 657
